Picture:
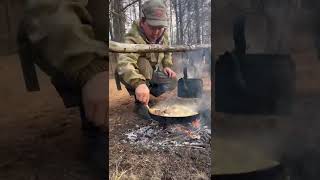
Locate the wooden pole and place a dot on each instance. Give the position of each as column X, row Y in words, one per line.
column 117, row 47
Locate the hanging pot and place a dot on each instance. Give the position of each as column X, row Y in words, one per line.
column 189, row 88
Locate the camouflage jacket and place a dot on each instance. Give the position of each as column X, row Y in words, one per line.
column 127, row 63
column 62, row 41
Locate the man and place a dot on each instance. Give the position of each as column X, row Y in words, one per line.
column 58, row 37
column 147, row 73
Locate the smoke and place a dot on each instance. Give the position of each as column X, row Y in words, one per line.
column 197, row 67
column 301, row 137
column 196, row 63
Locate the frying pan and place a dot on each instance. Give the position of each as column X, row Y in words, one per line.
column 270, row 173
column 166, row 120
column 235, row 160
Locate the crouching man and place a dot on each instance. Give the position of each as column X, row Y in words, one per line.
column 147, row 73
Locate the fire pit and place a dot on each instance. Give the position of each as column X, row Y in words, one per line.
column 155, row 136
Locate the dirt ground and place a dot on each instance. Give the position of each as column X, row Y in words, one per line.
column 135, row 162
column 39, row 138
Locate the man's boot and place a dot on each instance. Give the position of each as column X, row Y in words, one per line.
column 96, row 145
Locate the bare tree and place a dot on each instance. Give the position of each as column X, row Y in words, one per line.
column 118, row 20
column 189, row 22
column 197, row 18
column 140, row 8
column 180, row 19
column 175, row 6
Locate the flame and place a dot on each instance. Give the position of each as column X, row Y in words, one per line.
column 196, row 123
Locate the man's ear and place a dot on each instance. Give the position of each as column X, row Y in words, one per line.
column 142, row 24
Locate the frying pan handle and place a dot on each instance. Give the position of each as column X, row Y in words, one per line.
column 185, row 72
column 239, row 37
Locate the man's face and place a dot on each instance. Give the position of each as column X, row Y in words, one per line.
column 152, row 32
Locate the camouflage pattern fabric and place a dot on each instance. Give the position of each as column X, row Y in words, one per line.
column 128, row 63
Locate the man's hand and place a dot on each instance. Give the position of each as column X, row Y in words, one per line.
column 94, row 98
column 143, row 93
column 169, row 72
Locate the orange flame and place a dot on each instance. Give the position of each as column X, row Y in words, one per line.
column 196, row 123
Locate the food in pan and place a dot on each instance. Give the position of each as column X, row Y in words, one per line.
column 173, row 111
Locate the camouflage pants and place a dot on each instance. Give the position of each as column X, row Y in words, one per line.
column 157, row 81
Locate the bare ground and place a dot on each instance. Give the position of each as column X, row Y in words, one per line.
column 39, row 138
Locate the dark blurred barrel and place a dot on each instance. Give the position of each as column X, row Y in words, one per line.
column 236, row 160
column 273, row 173
column 269, row 84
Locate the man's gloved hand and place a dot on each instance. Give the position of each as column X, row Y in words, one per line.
column 94, row 98
column 169, row 72
column 143, row 93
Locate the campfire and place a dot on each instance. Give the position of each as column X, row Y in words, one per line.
column 179, row 122
column 155, row 137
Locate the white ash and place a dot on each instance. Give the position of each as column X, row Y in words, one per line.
column 155, row 137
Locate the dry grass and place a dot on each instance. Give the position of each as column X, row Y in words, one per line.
column 118, row 173
column 155, row 166
column 137, row 167
column 200, row 176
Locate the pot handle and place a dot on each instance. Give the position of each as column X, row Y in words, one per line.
column 185, row 72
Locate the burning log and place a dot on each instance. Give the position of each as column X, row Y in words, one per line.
column 117, row 47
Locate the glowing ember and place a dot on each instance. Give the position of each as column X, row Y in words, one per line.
column 196, row 123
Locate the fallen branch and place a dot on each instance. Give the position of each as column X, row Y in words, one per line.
column 123, row 9
column 148, row 48
column 189, row 146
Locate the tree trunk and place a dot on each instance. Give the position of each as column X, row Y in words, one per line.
column 110, row 19
column 189, row 24
column 140, row 8
column 197, row 19
column 118, row 21
column 202, row 28
column 134, row 11
column 175, row 5
column 181, row 39
column 171, row 28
